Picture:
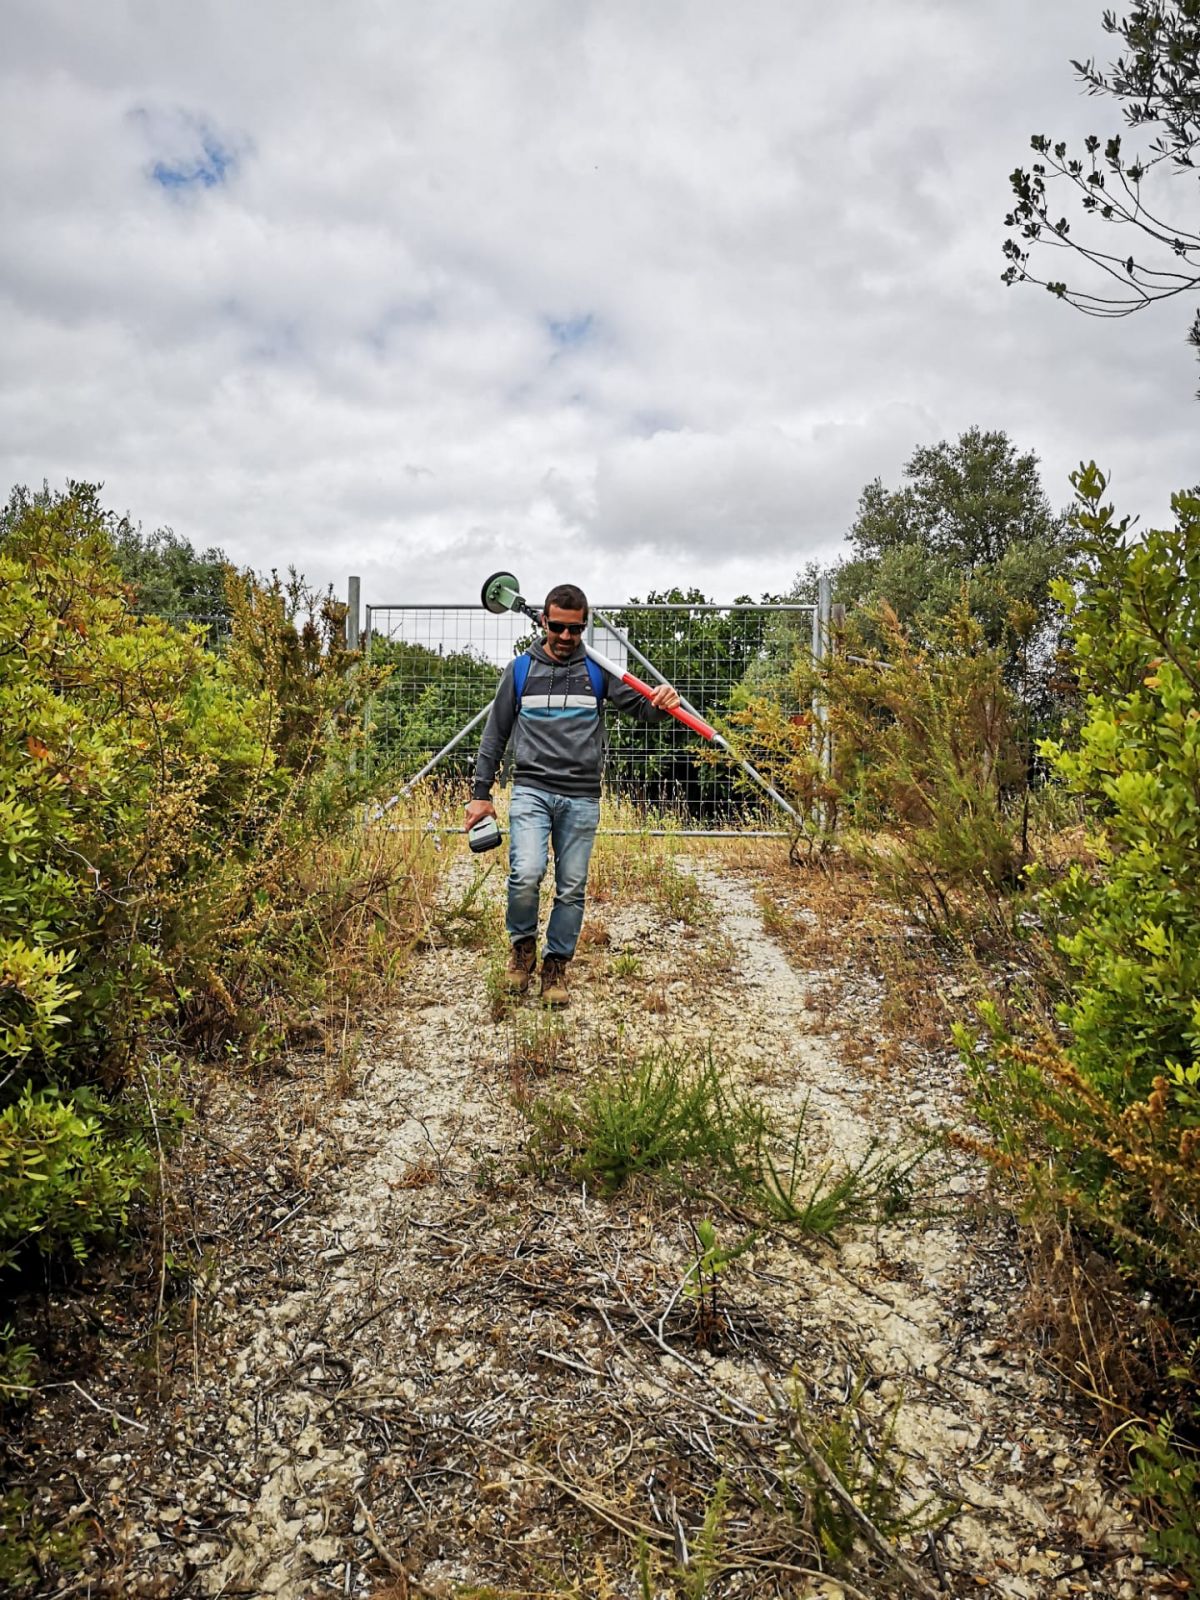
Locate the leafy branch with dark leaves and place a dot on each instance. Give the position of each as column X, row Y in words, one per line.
column 1156, row 80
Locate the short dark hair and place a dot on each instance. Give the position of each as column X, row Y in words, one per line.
column 567, row 597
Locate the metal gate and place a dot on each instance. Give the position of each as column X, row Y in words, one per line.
column 446, row 662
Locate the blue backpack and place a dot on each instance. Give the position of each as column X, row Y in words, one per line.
column 595, row 672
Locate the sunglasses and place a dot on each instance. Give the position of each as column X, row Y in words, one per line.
column 575, row 629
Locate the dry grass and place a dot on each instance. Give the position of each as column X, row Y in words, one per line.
column 832, row 925
column 373, row 891
column 656, row 1000
column 1110, row 1348
column 593, row 936
column 1120, row 1354
column 539, row 1043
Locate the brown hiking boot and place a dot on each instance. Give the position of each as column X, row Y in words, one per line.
column 521, row 962
column 554, row 981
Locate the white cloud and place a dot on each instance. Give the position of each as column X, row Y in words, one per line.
column 755, row 489
column 636, row 294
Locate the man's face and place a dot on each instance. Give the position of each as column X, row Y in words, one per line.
column 563, row 630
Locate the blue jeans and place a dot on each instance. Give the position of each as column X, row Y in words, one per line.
column 537, row 819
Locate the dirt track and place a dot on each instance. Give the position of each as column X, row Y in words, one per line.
column 448, row 1372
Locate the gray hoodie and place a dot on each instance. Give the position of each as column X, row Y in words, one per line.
column 559, row 737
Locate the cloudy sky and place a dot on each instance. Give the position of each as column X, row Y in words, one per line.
column 632, row 294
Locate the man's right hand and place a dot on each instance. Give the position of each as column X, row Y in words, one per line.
column 476, row 811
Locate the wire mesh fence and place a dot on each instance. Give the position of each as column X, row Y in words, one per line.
column 446, row 663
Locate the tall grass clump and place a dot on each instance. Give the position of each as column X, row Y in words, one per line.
column 670, row 1117
column 177, row 865
column 660, row 1114
column 788, row 1187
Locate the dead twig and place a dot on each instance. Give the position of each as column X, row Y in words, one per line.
column 392, row 1562
column 696, row 1371
column 110, row 1411
column 162, row 1240
column 882, row 1546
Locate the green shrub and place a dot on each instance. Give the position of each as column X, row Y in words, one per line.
column 1107, row 1118
column 660, row 1113
column 667, row 1116
column 1097, row 1119
column 785, row 1187
column 858, row 1453
column 30, row 1548
column 166, row 822
column 63, row 1176
column 1167, row 1474
column 18, row 1367
column 1133, row 952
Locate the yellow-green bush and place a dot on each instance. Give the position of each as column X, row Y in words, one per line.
column 1109, row 1113
column 1098, row 1118
column 158, row 804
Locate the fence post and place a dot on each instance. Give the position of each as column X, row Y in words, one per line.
column 837, row 646
column 824, row 610
column 823, row 645
column 816, row 628
column 821, row 618
column 353, row 613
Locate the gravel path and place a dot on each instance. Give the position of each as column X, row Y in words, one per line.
column 454, row 1372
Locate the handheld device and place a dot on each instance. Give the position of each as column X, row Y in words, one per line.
column 485, row 835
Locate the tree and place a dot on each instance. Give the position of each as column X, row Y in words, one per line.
column 1156, row 81
column 425, row 700
column 169, row 578
column 968, row 503
column 973, row 513
column 165, row 574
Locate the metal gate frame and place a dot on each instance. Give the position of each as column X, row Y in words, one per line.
column 360, row 629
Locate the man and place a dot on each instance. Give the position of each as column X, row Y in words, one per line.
column 559, row 754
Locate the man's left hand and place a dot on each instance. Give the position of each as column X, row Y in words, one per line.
column 665, row 697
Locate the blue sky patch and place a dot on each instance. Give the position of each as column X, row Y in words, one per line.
column 571, row 332
column 204, row 171
column 188, row 153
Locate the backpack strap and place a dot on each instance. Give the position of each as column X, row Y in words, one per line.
column 595, row 672
column 521, row 666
